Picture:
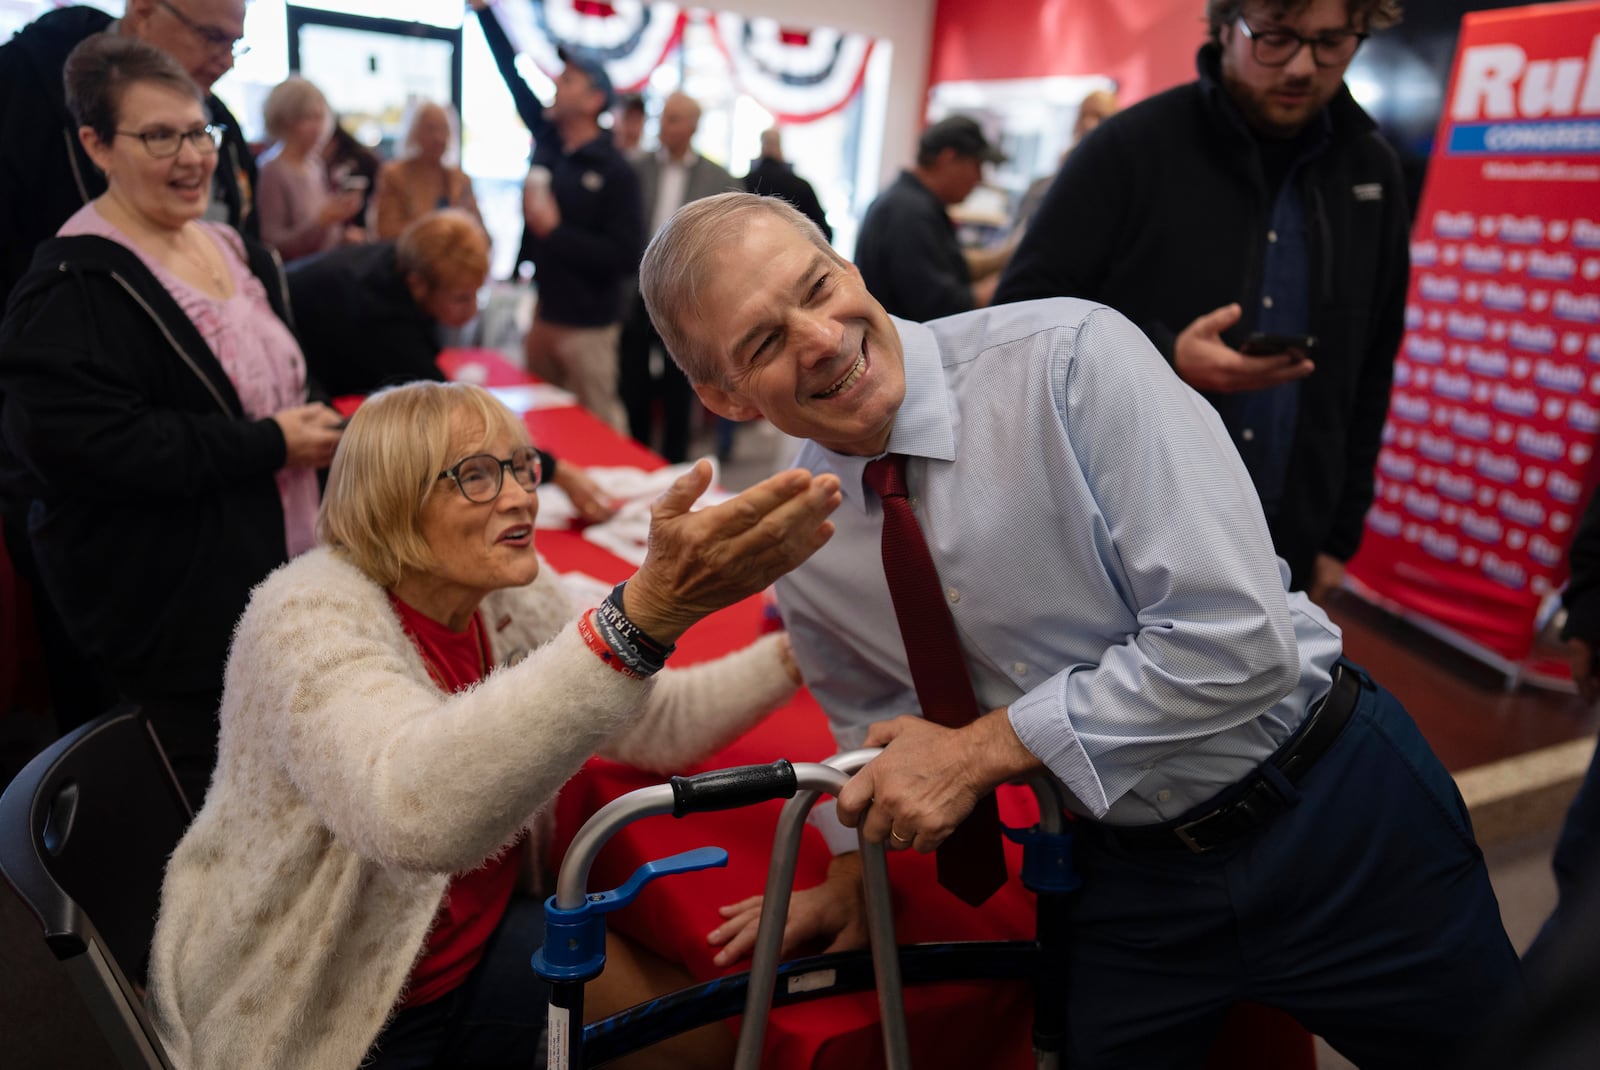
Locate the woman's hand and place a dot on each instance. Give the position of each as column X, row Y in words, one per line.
column 339, row 207
column 791, row 667
column 699, row 562
column 310, row 435
column 587, row 497
column 831, row 916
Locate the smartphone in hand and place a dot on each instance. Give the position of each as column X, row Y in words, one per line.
column 1260, row 344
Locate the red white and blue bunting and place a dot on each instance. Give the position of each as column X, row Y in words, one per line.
column 798, row 75
column 630, row 37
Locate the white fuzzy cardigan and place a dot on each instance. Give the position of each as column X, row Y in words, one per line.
column 348, row 788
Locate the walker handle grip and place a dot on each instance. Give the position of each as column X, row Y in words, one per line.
column 728, row 789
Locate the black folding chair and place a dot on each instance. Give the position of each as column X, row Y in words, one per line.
column 85, row 831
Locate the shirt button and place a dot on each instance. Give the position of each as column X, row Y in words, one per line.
column 1163, row 795
column 1272, row 236
column 1248, row 435
column 1020, row 668
column 1266, row 302
column 954, row 595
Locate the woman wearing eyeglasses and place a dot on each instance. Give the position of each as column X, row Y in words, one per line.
column 153, row 405
column 400, row 701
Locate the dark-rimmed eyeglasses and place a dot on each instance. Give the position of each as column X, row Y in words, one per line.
column 164, row 144
column 481, row 476
column 215, row 39
column 1276, row 48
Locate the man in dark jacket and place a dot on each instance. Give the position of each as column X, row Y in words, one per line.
column 369, row 315
column 584, row 221
column 907, row 250
column 45, row 175
column 1259, row 198
column 771, row 176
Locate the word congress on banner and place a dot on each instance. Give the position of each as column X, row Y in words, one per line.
column 1495, row 412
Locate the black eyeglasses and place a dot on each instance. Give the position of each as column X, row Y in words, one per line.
column 215, row 39
column 1276, row 48
column 481, row 476
column 164, row 144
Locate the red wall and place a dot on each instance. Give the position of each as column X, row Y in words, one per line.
column 1146, row 45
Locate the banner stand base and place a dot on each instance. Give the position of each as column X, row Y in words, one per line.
column 1548, row 671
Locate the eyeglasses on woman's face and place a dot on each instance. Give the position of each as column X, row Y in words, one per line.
column 481, row 476
column 163, row 143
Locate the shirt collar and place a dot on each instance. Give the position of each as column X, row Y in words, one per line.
column 924, row 426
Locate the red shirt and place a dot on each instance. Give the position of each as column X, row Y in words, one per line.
column 474, row 902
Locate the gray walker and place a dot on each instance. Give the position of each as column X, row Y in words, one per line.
column 574, row 950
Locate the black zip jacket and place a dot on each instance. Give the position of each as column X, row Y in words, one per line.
column 45, row 175
column 154, row 507
column 582, row 266
column 1162, row 213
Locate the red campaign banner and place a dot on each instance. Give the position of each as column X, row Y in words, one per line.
column 1495, row 411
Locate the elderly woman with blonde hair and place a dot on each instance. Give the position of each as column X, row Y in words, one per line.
column 299, row 215
column 401, row 706
column 425, row 178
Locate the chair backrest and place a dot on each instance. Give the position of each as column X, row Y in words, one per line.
column 85, row 832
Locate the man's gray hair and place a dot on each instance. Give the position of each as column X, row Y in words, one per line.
column 683, row 257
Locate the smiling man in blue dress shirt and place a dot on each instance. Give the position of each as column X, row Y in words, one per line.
column 1262, row 822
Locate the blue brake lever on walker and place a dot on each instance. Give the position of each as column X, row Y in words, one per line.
column 1046, row 859
column 575, row 940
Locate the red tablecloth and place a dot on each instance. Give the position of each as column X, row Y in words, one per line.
column 951, row 1026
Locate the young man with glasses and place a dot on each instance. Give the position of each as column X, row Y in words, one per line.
column 1258, row 199
column 45, row 175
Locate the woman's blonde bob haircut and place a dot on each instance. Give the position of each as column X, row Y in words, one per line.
column 389, row 461
column 288, row 101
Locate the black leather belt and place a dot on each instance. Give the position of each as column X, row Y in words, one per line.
column 1249, row 804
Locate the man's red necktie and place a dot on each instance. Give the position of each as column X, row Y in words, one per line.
column 971, row 862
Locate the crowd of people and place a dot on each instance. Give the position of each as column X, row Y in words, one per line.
column 372, row 685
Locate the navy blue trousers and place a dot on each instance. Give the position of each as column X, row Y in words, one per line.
column 494, row 1021
column 1364, row 910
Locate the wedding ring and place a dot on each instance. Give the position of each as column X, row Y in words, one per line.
column 899, row 838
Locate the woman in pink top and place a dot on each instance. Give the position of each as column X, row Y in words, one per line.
column 299, row 216
column 154, row 405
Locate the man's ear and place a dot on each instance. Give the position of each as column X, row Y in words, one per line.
column 135, row 14
column 725, row 404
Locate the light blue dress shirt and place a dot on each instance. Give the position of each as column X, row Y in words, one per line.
column 1103, row 554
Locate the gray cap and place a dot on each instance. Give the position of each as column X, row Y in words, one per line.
column 962, row 133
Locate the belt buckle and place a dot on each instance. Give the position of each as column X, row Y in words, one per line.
column 1188, row 840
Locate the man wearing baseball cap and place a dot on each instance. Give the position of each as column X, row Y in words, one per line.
column 907, row 250
column 585, row 225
